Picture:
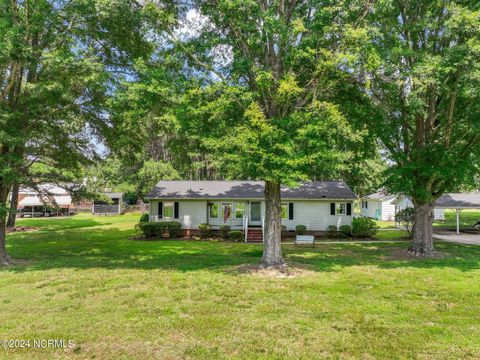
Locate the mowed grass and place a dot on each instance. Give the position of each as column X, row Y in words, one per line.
column 83, row 279
column 468, row 217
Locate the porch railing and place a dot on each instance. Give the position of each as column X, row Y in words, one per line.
column 245, row 226
column 263, row 228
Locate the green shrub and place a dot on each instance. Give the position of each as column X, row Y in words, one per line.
column 301, row 229
column 406, row 219
column 364, row 227
column 171, row 229
column 236, row 235
column 205, row 230
column 224, row 229
column 345, row 230
column 332, row 231
column 284, row 234
column 148, row 229
column 144, row 218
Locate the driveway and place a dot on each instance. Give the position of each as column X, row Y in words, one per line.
column 470, row 238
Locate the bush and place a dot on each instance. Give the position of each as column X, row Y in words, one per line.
column 236, row 235
column 224, row 229
column 171, row 229
column 145, row 218
column 332, row 231
column 205, row 230
column 148, row 229
column 364, row 227
column 406, row 219
column 284, row 233
column 345, row 230
column 301, row 229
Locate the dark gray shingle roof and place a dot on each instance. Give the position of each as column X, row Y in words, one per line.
column 247, row 190
column 459, row 200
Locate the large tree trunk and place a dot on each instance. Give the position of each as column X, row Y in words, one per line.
column 12, row 215
column 422, row 243
column 4, row 258
column 272, row 250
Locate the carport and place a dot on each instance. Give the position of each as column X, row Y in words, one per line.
column 458, row 202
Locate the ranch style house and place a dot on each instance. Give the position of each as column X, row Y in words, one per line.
column 241, row 205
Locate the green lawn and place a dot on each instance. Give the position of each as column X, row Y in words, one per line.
column 467, row 219
column 385, row 224
column 83, row 279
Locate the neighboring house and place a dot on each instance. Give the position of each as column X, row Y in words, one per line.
column 49, row 200
column 378, row 206
column 111, row 207
column 241, row 205
column 402, row 202
column 54, row 200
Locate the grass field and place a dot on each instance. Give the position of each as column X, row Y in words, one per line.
column 83, row 279
column 468, row 217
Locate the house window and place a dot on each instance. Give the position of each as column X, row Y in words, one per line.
column 239, row 210
column 364, row 205
column 226, row 211
column 168, row 209
column 214, row 211
column 341, row 208
column 284, row 211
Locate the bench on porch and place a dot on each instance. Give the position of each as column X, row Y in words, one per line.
column 305, row 240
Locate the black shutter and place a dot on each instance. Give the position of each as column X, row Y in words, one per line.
column 160, row 209
column 349, row 208
column 175, row 209
column 290, row 211
column 332, row 208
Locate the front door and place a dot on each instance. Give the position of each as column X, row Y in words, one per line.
column 255, row 213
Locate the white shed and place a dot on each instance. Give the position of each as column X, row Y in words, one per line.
column 403, row 202
column 378, row 206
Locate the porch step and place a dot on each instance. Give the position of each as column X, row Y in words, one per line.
column 254, row 235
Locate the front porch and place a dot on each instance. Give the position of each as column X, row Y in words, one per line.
column 238, row 215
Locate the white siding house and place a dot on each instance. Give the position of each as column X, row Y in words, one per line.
column 378, row 206
column 315, row 215
column 240, row 204
column 403, row 202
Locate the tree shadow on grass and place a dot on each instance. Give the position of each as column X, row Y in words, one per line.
column 80, row 248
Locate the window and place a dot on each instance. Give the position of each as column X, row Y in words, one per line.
column 364, row 205
column 168, row 209
column 341, row 208
column 214, row 210
column 239, row 210
column 284, row 211
column 226, row 211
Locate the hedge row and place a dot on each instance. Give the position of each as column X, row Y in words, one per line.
column 170, row 229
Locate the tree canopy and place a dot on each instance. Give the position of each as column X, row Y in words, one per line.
column 57, row 66
column 421, row 69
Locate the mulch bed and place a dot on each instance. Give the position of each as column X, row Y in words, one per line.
column 403, row 254
column 20, row 229
column 290, row 270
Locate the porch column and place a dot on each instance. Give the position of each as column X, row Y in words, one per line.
column 458, row 222
column 207, row 218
